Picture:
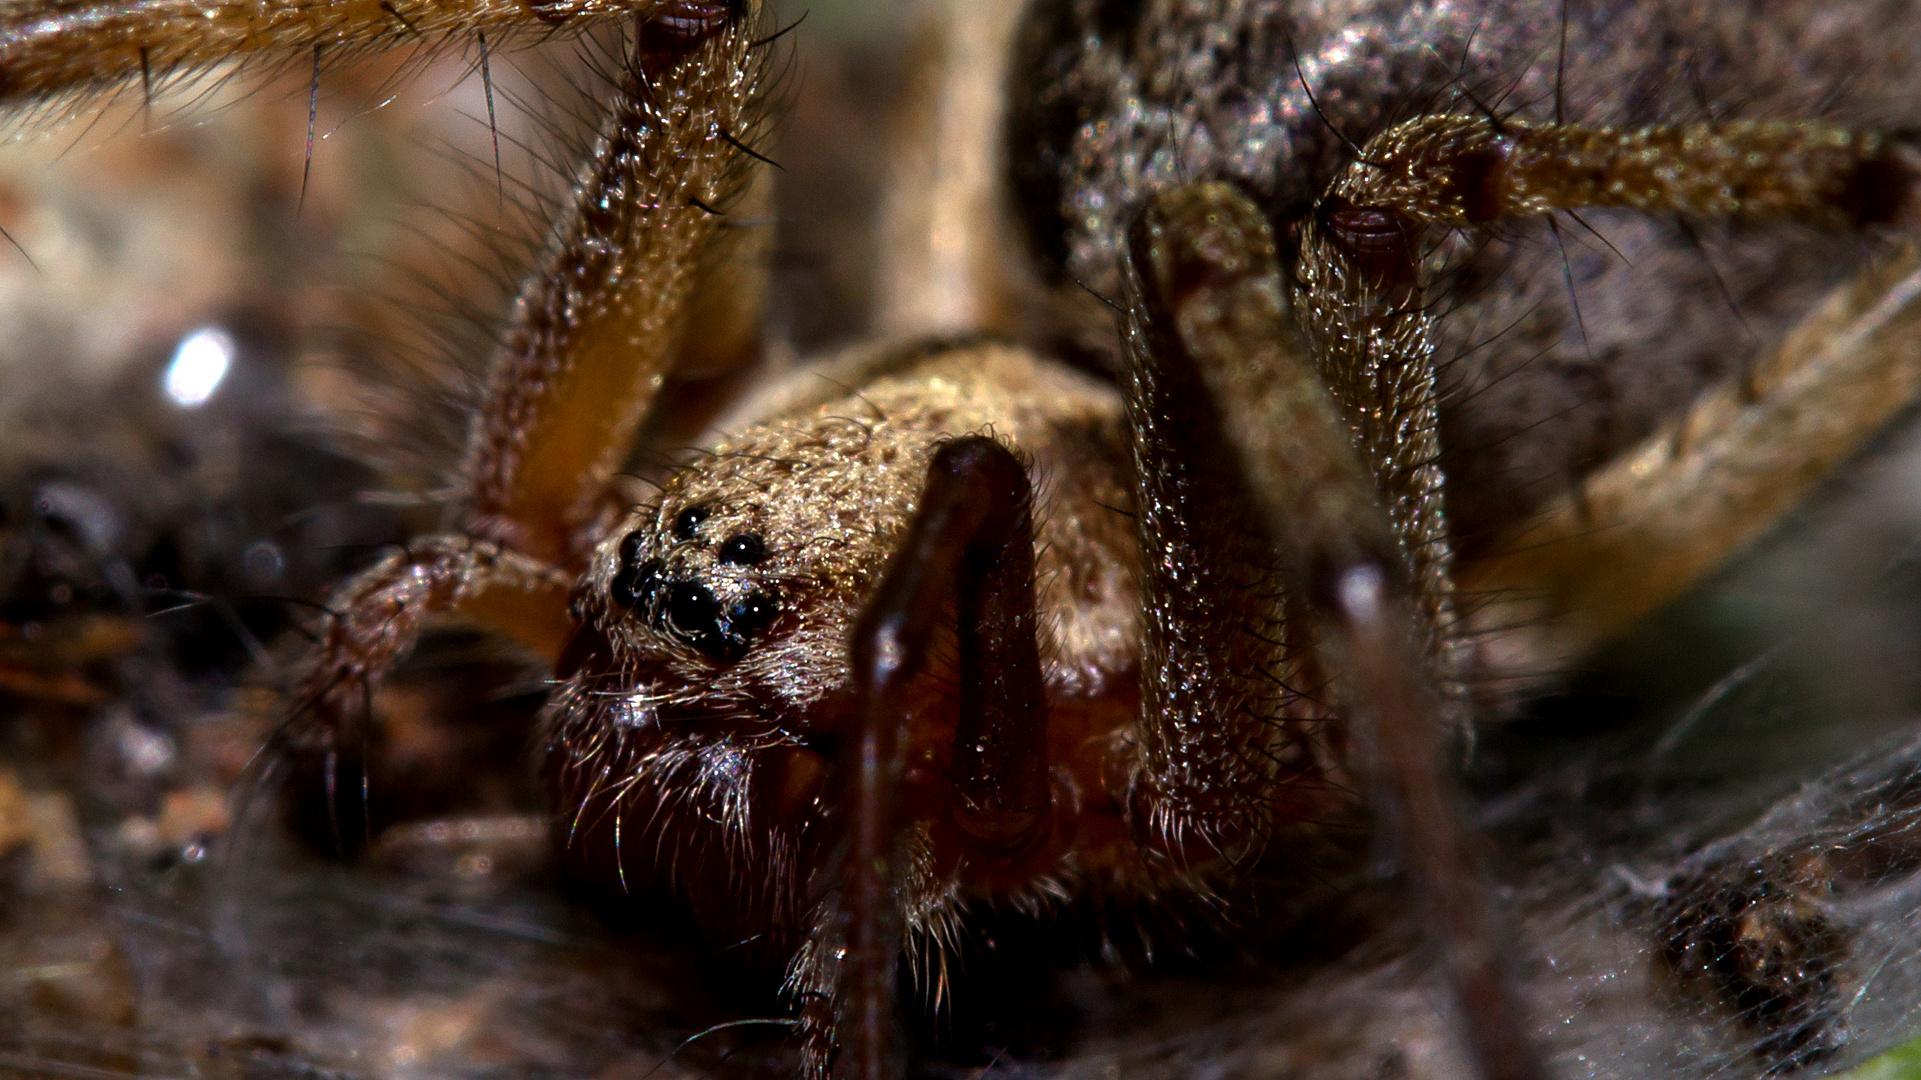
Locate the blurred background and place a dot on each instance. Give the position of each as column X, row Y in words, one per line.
column 230, row 374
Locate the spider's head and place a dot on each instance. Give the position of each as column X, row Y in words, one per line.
column 699, row 703
column 730, row 601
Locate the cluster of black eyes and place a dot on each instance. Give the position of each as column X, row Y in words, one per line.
column 688, row 609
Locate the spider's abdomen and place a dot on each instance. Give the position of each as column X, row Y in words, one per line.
column 1564, row 354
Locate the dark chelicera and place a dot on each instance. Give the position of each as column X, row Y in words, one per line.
column 688, row 609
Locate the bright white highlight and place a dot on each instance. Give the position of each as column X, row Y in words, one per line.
column 200, row 362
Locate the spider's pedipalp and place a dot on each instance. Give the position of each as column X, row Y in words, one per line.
column 1221, row 641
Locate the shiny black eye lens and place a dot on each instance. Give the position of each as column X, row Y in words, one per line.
column 634, row 586
column 749, row 616
column 687, row 522
column 693, row 612
column 630, row 546
column 743, row 549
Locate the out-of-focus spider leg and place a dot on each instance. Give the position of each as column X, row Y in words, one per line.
column 55, row 46
column 1645, row 527
column 970, row 544
column 377, row 616
column 1207, row 302
column 589, row 345
column 948, row 257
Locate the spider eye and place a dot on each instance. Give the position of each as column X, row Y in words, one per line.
column 634, row 586
column 687, row 522
column 630, row 546
column 750, row 615
column 692, row 614
column 743, row 549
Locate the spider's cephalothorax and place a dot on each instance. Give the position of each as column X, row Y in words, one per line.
column 704, row 698
column 969, row 625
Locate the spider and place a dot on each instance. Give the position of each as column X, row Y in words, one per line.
column 961, row 623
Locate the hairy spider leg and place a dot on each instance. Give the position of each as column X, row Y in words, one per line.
column 1205, row 297
column 1663, row 515
column 52, row 47
column 376, row 619
column 590, row 343
column 1360, row 297
column 1638, row 533
column 1229, row 716
column 593, row 336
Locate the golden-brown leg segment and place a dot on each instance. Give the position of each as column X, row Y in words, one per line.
column 1358, row 298
column 49, row 47
column 593, row 337
column 1207, row 260
column 1460, row 171
column 947, row 262
column 1637, row 533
